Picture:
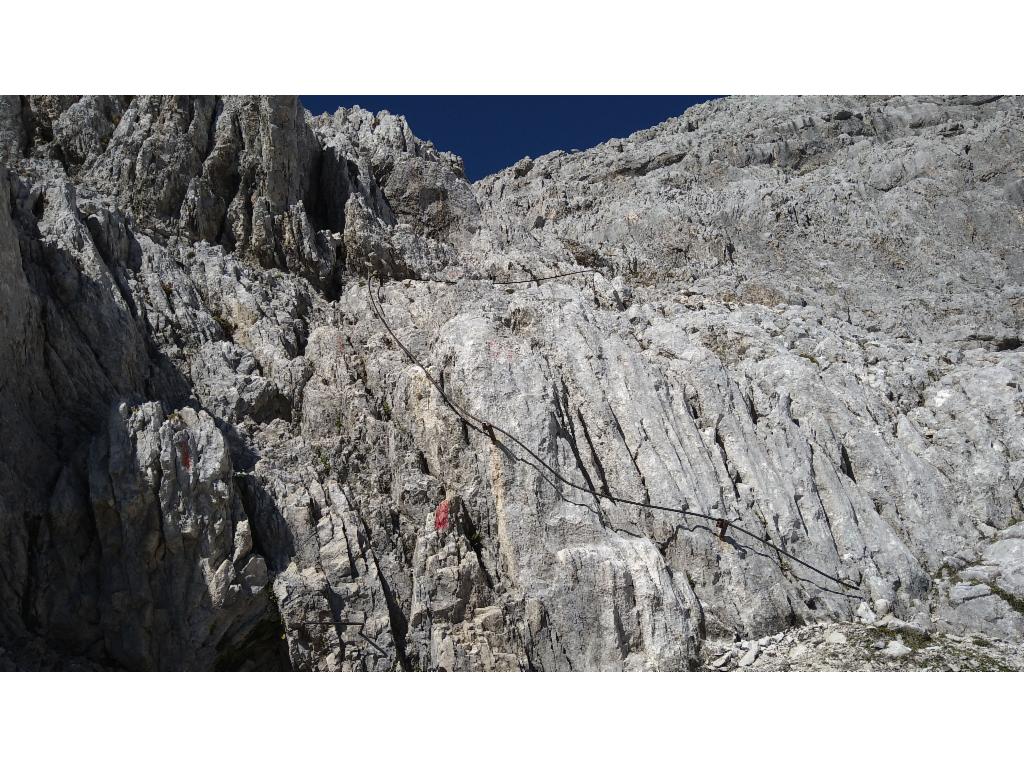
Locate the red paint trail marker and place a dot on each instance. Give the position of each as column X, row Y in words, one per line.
column 441, row 516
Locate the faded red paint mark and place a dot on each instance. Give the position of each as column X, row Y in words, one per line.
column 186, row 455
column 501, row 350
column 441, row 516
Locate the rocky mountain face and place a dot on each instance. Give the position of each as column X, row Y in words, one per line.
column 804, row 318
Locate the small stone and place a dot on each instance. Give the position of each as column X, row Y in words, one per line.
column 895, row 650
column 243, row 542
column 882, row 606
column 836, row 638
column 984, row 573
column 722, row 660
column 254, row 574
column 866, row 615
column 961, row 593
column 749, row 656
column 798, row 651
column 987, row 530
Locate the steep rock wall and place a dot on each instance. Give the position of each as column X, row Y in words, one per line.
column 805, row 320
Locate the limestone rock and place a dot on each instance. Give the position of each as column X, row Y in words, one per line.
column 805, row 320
column 895, row 650
column 750, row 656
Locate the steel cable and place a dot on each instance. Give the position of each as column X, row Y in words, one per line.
column 488, row 428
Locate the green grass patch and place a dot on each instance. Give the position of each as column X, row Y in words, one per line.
column 912, row 640
column 1012, row 600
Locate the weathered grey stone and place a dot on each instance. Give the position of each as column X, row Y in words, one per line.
column 1005, row 565
column 750, row 656
column 895, row 650
column 865, row 614
column 722, row 660
column 807, row 321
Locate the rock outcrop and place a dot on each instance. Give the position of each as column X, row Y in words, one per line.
column 804, row 318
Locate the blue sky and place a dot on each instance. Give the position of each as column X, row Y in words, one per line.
column 493, row 132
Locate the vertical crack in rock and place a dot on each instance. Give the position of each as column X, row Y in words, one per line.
column 593, row 454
